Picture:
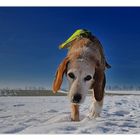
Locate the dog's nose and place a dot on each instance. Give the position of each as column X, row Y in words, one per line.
column 76, row 98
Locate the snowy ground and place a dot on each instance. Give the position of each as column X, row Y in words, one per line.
column 121, row 114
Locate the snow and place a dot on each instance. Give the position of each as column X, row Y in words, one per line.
column 51, row 115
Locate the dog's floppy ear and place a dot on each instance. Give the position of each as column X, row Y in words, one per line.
column 59, row 75
column 99, row 84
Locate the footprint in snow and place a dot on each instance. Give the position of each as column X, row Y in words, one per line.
column 121, row 113
column 52, row 111
column 18, row 105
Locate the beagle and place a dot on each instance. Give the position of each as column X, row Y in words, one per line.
column 84, row 67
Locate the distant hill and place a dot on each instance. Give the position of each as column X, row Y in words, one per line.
column 7, row 92
column 30, row 93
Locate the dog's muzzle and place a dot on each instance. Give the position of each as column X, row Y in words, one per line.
column 76, row 98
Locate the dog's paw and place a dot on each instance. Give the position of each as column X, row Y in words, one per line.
column 75, row 119
column 93, row 115
column 94, row 110
column 85, row 119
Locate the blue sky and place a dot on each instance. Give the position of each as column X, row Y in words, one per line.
column 29, row 40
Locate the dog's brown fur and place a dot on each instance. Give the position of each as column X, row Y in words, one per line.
column 74, row 112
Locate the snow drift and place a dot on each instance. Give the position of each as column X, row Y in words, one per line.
column 45, row 115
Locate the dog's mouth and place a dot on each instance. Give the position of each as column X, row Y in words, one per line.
column 77, row 103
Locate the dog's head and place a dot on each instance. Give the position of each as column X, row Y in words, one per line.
column 80, row 74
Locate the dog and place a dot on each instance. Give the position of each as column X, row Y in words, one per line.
column 84, row 67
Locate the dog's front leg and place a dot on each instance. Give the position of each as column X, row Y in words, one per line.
column 98, row 94
column 95, row 108
column 74, row 112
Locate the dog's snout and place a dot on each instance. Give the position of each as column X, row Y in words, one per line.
column 77, row 98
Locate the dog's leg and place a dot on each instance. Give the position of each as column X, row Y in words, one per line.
column 98, row 95
column 95, row 108
column 74, row 112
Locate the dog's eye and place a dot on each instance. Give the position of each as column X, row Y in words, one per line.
column 87, row 78
column 71, row 75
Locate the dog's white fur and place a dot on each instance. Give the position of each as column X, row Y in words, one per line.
column 80, row 70
column 95, row 108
